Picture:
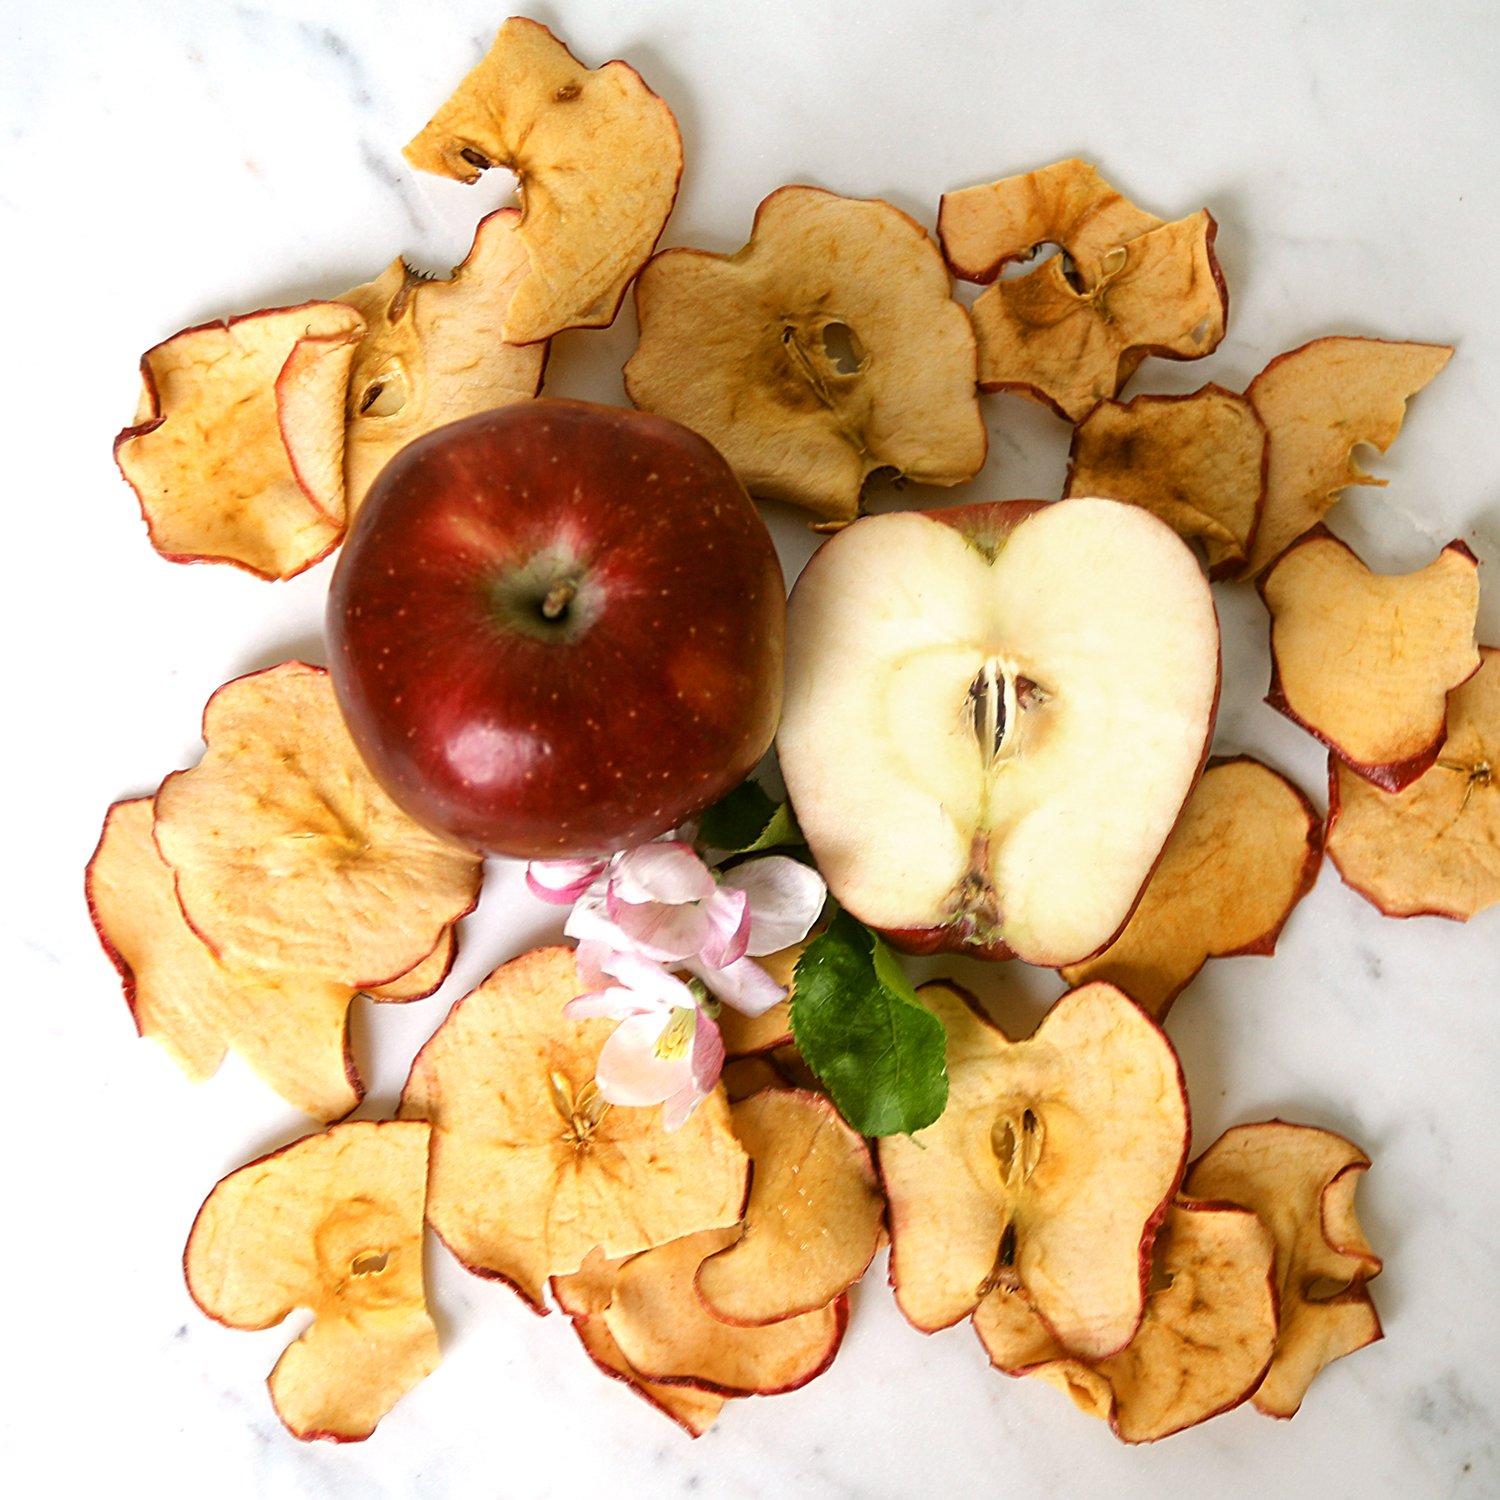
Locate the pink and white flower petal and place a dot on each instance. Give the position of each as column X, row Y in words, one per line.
column 648, row 1059
column 562, row 881
column 668, row 872
column 744, row 984
column 786, row 897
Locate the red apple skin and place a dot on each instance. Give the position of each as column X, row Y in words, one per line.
column 651, row 691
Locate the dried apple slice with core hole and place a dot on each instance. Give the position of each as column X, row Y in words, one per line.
column 1301, row 1182
column 291, row 1029
column 1197, row 461
column 597, row 158
column 828, row 347
column 814, row 1218
column 1366, row 662
column 1204, row 1344
column 530, row 1168
column 1432, row 849
column 237, row 448
column 332, row 1223
column 1319, row 403
column 287, row 854
column 1244, row 853
column 1049, row 1171
column 434, row 352
column 665, row 1334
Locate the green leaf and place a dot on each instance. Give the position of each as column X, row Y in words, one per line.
column 861, row 1028
column 747, row 821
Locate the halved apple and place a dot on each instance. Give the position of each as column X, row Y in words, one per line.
column 993, row 717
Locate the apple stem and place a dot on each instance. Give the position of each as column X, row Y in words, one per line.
column 557, row 599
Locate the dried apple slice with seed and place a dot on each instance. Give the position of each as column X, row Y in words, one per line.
column 530, row 1168
column 1366, row 661
column 1301, row 1182
column 1432, row 849
column 1049, row 1171
column 1319, row 402
column 1245, row 851
column 668, row 1337
column 1204, row 1344
column 830, row 346
column 286, row 853
column 332, row 1223
column 433, row 351
column 814, row 1218
column 236, row 450
column 1197, row 461
column 597, row 158
column 291, row 1029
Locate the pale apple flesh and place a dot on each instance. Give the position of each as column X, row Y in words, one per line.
column 993, row 717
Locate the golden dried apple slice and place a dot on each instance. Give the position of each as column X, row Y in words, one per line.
column 597, row 158
column 743, row 1076
column 987, row 227
column 1319, row 403
column 287, row 854
column 828, row 347
column 1197, row 461
column 1432, row 849
column 292, row 1030
column 333, row 1223
column 1245, row 851
column 434, row 351
column 1301, row 1182
column 530, row 1168
column 1049, row 1171
column 814, row 1218
column 1366, row 661
column 423, row 978
column 236, row 450
column 663, row 1331
column 1204, row 1344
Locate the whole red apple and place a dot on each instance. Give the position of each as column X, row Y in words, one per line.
column 557, row 628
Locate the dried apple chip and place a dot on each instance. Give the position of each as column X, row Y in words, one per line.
column 236, row 449
column 423, row 978
column 1365, row 661
column 291, row 1029
column 1432, row 849
column 1072, row 331
column 287, row 854
column 828, row 347
column 433, row 351
column 663, row 1331
column 530, row 1168
column 1301, row 1182
column 814, row 1218
column 1245, row 851
column 332, row 1223
column 1049, row 1171
column 597, row 158
column 1196, row 461
column 1204, row 1344
column 1319, row 403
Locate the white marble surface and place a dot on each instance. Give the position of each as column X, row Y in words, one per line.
column 166, row 162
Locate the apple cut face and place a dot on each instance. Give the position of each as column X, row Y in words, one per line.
column 993, row 717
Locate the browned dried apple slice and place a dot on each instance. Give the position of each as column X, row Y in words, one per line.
column 1204, row 1344
column 814, row 1218
column 1319, row 403
column 1432, row 849
column 1365, row 661
column 667, row 1336
column 287, row 854
column 530, row 1168
column 332, row 1223
column 236, row 450
column 1197, row 461
column 1049, row 1171
column 292, row 1030
column 1244, row 853
column 828, row 347
column 1301, row 1183
column 597, row 158
column 433, row 351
